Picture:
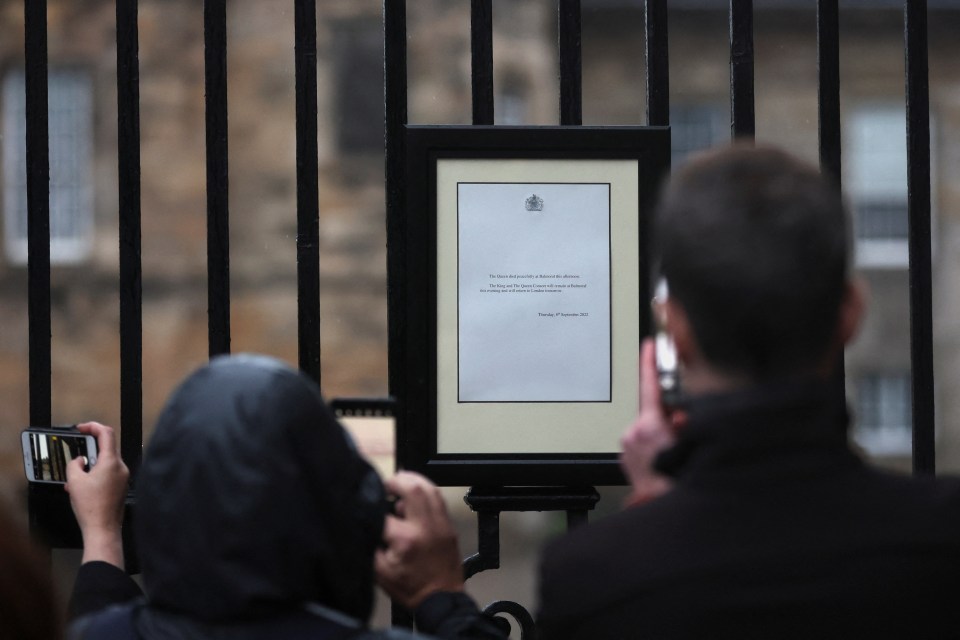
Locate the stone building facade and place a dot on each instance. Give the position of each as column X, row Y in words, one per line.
column 82, row 54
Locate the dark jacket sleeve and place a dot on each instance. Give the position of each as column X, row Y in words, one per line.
column 98, row 586
column 455, row 616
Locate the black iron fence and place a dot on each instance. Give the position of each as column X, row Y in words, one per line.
column 742, row 125
column 488, row 501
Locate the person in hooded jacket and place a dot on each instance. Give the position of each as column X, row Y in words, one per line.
column 257, row 518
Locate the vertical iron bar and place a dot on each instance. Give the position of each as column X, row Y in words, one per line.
column 658, row 114
column 571, row 89
column 38, row 210
column 658, row 63
column 395, row 110
column 308, row 205
column 828, row 105
column 128, row 166
column 828, row 69
column 918, row 207
column 481, row 58
column 218, row 228
column 742, row 122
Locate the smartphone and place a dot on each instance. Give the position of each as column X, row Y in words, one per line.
column 668, row 366
column 48, row 450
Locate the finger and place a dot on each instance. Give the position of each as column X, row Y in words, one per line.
column 392, row 528
column 74, row 467
column 629, row 436
column 649, row 385
column 106, row 440
column 381, row 561
column 383, row 567
column 421, row 498
column 394, row 484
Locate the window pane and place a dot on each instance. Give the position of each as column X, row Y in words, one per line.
column 695, row 127
column 883, row 416
column 70, row 100
column 876, row 180
column 358, row 65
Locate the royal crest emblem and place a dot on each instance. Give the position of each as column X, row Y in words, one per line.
column 534, row 203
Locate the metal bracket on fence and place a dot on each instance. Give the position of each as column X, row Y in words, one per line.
column 489, row 502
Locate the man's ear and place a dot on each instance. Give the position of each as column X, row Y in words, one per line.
column 853, row 309
column 678, row 325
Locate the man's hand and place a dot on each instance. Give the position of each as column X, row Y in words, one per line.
column 97, row 496
column 421, row 555
column 650, row 433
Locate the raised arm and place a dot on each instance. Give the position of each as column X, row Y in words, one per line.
column 649, row 434
column 97, row 496
column 420, row 566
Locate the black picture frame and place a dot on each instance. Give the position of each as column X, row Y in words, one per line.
column 412, row 284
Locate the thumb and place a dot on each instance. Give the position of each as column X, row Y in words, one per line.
column 74, row 467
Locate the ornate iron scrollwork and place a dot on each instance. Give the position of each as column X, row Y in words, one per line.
column 489, row 502
column 528, row 628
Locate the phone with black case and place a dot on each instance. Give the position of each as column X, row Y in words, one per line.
column 48, row 450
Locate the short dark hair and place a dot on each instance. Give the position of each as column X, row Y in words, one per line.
column 754, row 244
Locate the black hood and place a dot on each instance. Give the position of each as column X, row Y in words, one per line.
column 253, row 500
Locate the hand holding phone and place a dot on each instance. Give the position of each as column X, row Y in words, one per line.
column 421, row 554
column 97, row 497
column 650, row 433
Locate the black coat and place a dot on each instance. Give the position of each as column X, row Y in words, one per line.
column 255, row 511
column 774, row 529
column 118, row 611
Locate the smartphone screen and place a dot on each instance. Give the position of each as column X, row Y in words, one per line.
column 668, row 371
column 46, row 454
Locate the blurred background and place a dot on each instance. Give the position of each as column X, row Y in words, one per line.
column 84, row 201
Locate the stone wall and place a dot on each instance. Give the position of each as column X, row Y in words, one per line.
column 353, row 280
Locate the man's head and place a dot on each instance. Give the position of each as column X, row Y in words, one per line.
column 755, row 247
column 252, row 499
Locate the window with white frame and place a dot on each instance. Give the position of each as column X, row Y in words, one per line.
column 70, row 100
column 883, row 413
column 876, row 181
column 695, row 127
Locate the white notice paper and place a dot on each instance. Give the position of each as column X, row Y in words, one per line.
column 534, row 292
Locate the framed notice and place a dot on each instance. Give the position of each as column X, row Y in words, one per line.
column 520, row 296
